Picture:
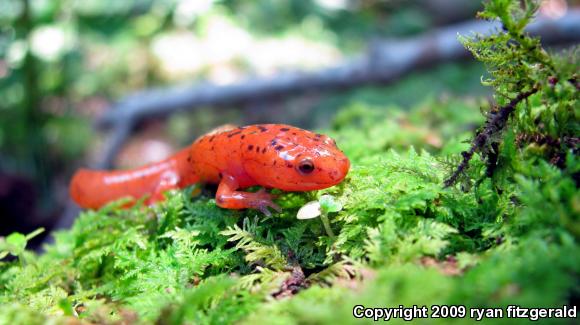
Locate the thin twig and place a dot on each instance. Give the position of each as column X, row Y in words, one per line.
column 495, row 123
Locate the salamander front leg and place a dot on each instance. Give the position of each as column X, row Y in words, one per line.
column 227, row 197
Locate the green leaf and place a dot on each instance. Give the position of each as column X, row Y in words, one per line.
column 329, row 203
column 17, row 243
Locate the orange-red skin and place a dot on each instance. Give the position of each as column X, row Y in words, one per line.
column 265, row 155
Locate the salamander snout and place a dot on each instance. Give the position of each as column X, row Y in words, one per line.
column 338, row 173
column 327, row 171
column 320, row 166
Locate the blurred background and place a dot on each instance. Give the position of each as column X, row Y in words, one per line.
column 75, row 76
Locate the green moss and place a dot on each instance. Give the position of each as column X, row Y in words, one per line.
column 401, row 238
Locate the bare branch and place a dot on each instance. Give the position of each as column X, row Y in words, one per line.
column 384, row 62
column 115, row 142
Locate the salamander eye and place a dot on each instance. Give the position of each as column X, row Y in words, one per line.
column 306, row 167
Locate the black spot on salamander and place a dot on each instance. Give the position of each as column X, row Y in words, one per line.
column 279, row 147
column 189, row 158
column 234, row 133
column 284, row 129
column 262, row 128
column 289, row 165
column 318, row 135
column 264, row 150
column 250, row 147
column 273, row 142
column 275, row 161
column 211, row 138
column 294, row 133
column 243, row 136
column 257, row 148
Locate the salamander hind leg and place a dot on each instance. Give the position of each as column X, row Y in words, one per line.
column 169, row 180
column 227, row 197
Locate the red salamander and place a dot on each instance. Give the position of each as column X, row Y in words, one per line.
column 269, row 155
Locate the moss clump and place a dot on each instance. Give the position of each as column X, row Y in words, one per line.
column 506, row 236
column 536, row 96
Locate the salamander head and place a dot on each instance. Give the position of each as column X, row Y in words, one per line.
column 297, row 160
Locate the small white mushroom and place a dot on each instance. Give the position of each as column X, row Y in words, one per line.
column 309, row 210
